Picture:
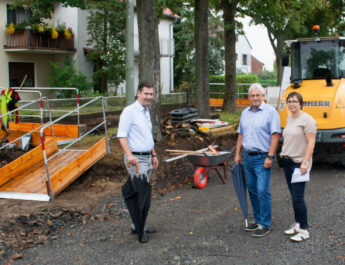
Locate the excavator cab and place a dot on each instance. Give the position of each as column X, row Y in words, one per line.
column 317, row 73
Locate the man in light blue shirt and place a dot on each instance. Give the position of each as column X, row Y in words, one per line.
column 258, row 134
column 136, row 139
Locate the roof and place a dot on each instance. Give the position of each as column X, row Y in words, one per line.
column 315, row 39
column 254, row 58
column 166, row 12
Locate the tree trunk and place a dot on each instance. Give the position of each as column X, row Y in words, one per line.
column 149, row 62
column 279, row 57
column 278, row 48
column 201, row 60
column 229, row 11
column 105, row 49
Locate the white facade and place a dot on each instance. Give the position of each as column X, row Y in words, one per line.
column 77, row 20
column 167, row 51
column 243, row 52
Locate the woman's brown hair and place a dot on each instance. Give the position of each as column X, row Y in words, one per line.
column 298, row 96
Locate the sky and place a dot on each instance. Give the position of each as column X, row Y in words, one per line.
column 261, row 46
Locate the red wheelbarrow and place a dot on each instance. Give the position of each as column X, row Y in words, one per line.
column 204, row 163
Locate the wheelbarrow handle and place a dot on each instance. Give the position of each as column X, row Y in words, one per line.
column 136, row 167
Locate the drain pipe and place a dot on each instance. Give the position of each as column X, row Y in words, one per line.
column 170, row 54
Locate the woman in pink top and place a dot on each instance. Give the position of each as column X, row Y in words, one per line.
column 297, row 151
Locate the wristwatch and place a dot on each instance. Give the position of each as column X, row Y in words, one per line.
column 270, row 157
column 306, row 162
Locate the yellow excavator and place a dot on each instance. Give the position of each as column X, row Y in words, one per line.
column 317, row 73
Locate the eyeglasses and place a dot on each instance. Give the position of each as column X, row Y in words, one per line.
column 292, row 102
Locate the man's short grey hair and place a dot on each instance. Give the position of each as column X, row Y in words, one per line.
column 255, row 86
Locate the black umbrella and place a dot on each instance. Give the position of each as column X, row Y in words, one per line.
column 240, row 185
column 137, row 194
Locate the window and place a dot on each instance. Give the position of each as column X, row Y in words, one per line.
column 17, row 15
column 244, row 59
column 17, row 71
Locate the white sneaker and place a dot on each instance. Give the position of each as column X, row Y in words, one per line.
column 295, row 228
column 301, row 236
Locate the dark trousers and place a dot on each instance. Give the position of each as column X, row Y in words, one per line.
column 297, row 193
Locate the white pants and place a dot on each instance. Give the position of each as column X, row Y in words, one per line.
column 145, row 166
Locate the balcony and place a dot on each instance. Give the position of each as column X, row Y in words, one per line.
column 32, row 41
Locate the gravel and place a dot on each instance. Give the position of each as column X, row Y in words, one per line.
column 205, row 227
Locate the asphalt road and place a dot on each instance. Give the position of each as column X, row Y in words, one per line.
column 206, row 227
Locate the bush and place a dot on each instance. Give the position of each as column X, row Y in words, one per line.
column 240, row 79
column 217, row 88
column 217, row 78
column 268, row 82
column 247, row 78
column 68, row 76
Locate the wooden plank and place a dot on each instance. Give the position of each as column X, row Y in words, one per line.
column 64, row 130
column 34, row 179
column 68, row 130
column 225, row 128
column 26, row 161
column 12, row 135
column 64, row 177
column 64, row 168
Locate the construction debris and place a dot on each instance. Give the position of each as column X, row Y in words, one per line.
column 174, row 130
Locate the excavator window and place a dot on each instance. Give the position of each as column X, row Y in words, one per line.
column 322, row 73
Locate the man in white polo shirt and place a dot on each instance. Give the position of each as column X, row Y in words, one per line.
column 135, row 135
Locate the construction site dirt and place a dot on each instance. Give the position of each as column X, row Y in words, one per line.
column 29, row 229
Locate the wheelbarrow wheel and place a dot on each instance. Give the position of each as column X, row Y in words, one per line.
column 200, row 177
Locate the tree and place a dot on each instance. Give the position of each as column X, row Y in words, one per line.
column 43, row 9
column 149, row 62
column 184, row 61
column 106, row 24
column 283, row 20
column 229, row 11
column 201, row 58
column 68, row 75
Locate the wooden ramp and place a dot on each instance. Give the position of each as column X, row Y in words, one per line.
column 64, row 133
column 26, row 177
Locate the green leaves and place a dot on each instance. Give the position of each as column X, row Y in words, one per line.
column 68, row 76
column 106, row 27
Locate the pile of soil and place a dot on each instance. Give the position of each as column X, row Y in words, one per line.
column 8, row 155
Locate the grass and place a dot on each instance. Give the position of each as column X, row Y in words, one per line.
column 231, row 118
column 90, row 140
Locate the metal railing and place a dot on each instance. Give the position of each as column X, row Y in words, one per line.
column 58, row 89
column 46, row 159
column 241, row 90
column 40, row 100
column 30, row 39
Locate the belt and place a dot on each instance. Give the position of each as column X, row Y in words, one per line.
column 141, row 153
column 256, row 153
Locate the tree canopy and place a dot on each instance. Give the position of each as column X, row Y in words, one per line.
column 106, row 24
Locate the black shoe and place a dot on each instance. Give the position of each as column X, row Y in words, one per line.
column 144, row 238
column 149, row 230
column 262, row 231
column 252, row 227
